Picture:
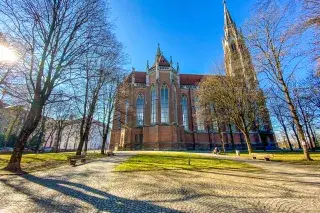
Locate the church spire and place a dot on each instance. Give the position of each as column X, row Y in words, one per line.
column 228, row 22
column 158, row 51
column 236, row 55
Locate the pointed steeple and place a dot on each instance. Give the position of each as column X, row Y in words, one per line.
column 228, row 22
column 171, row 61
column 147, row 76
column 133, row 78
column 178, row 73
column 235, row 51
column 158, row 52
column 147, row 67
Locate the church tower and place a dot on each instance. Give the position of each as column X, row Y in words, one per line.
column 236, row 55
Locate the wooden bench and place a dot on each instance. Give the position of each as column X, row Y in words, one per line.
column 266, row 157
column 73, row 159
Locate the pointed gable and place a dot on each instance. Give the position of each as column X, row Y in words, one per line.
column 163, row 61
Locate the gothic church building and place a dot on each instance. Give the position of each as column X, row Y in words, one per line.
column 163, row 110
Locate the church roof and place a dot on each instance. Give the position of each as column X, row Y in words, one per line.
column 140, row 77
column 189, row 79
column 185, row 79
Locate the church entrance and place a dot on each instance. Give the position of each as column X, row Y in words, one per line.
column 138, row 140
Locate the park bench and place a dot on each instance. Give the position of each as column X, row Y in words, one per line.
column 110, row 153
column 73, row 159
column 265, row 157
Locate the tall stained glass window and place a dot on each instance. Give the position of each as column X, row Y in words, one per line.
column 140, row 110
column 175, row 105
column 184, row 104
column 127, row 110
column 153, row 105
column 200, row 123
column 164, row 104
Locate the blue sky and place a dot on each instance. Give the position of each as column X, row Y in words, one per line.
column 190, row 31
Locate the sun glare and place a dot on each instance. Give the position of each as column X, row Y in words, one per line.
column 7, row 55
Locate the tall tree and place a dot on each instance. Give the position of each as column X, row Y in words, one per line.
column 274, row 49
column 233, row 101
column 280, row 112
column 106, row 109
column 55, row 34
column 101, row 67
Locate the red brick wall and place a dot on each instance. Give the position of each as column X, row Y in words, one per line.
column 168, row 136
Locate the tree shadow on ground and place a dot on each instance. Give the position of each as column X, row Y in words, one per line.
column 100, row 200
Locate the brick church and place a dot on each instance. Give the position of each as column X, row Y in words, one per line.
column 161, row 111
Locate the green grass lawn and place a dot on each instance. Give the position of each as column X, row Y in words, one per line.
column 176, row 160
column 43, row 161
column 289, row 157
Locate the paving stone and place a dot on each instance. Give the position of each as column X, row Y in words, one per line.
column 94, row 187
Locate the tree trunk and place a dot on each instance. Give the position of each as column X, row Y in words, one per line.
column 104, row 139
column 248, row 141
column 305, row 122
column 309, row 136
column 86, row 145
column 295, row 133
column 287, row 136
column 80, row 145
column 232, row 139
column 58, row 139
column 221, row 139
column 88, row 120
column 313, row 135
column 295, row 117
column 29, row 126
column 68, row 138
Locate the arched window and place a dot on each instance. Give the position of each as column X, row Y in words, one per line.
column 200, row 124
column 153, row 105
column 140, row 110
column 127, row 109
column 164, row 104
column 184, row 104
column 175, row 105
column 214, row 121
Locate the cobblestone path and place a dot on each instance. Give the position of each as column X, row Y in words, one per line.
column 93, row 187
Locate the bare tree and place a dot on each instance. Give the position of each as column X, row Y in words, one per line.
column 106, row 105
column 101, row 67
column 234, row 101
column 273, row 49
column 54, row 34
column 280, row 113
column 60, row 112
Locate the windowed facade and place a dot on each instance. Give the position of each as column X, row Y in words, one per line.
column 164, row 104
column 140, row 110
column 184, row 106
column 200, row 123
column 127, row 111
column 153, row 105
column 175, row 116
column 215, row 126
